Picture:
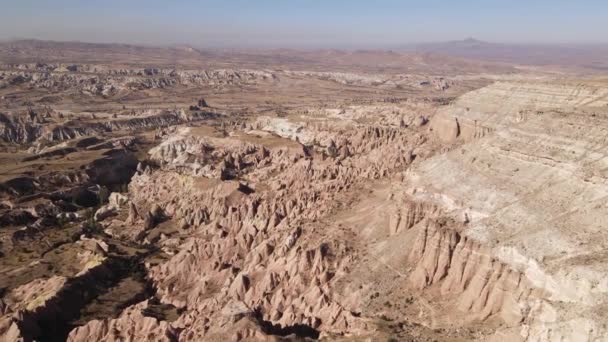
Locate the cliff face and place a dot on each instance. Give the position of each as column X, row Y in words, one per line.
column 531, row 180
column 505, row 104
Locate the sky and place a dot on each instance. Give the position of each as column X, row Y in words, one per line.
column 305, row 23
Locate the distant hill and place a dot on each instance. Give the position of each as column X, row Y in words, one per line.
column 32, row 50
column 586, row 56
column 382, row 61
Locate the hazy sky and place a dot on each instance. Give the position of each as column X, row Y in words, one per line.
column 305, row 23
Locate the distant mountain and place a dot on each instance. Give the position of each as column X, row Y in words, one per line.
column 587, row 56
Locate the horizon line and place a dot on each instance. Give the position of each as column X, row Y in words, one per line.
column 347, row 47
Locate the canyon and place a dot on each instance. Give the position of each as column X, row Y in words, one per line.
column 182, row 195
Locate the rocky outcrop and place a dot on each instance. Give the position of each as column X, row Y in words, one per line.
column 39, row 309
column 464, row 269
column 115, row 202
column 18, row 130
column 409, row 214
column 132, row 324
column 94, row 80
column 243, row 199
column 386, row 81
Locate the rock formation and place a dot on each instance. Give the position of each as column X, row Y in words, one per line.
column 344, row 204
